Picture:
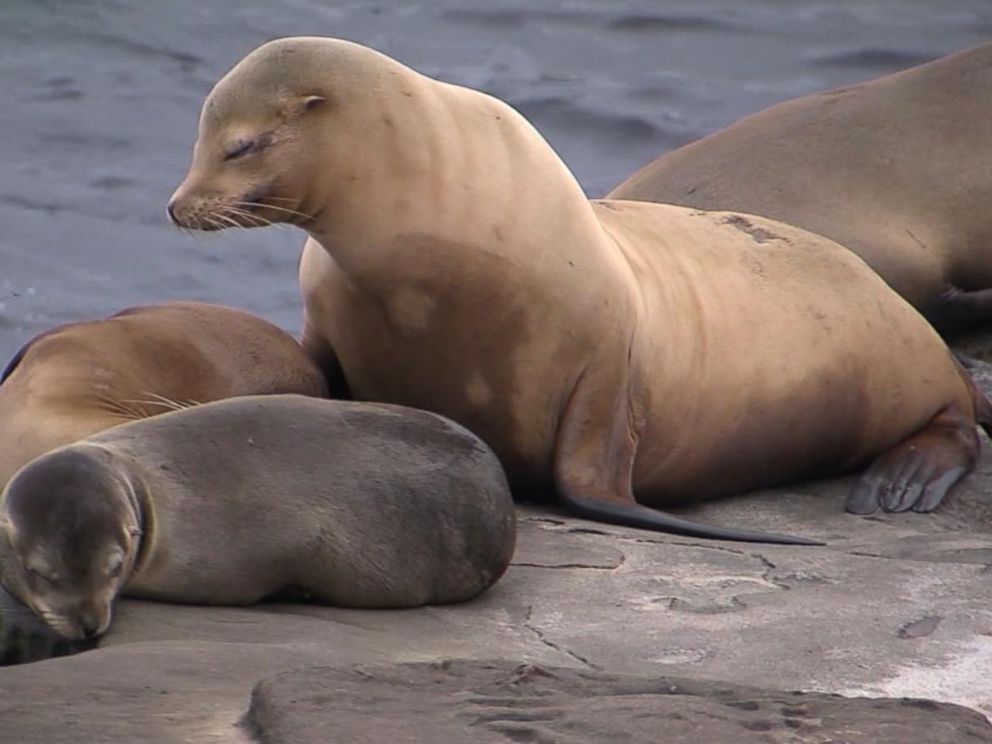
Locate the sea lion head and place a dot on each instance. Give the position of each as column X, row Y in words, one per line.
column 68, row 539
column 269, row 130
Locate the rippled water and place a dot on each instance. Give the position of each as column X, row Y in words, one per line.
column 100, row 99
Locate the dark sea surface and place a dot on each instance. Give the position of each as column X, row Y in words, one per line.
column 99, row 102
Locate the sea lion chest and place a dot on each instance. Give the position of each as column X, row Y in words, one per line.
column 453, row 329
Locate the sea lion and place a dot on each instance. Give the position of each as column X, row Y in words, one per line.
column 603, row 349
column 893, row 169
column 355, row 504
column 80, row 378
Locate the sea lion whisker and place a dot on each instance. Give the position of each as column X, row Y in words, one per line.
column 119, row 411
column 246, row 215
column 162, row 400
column 120, row 407
column 280, row 209
column 108, row 404
column 214, row 223
column 159, row 396
column 158, row 403
column 230, row 221
column 256, row 219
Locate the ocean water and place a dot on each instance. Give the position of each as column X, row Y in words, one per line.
column 99, row 101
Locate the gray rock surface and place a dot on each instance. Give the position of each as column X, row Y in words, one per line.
column 894, row 605
column 100, row 99
column 465, row 702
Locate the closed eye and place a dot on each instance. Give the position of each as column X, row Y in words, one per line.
column 255, row 144
column 242, row 148
column 42, row 578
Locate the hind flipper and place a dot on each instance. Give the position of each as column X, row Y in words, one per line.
column 594, row 459
column 919, row 471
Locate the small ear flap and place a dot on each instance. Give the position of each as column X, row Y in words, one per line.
column 136, row 532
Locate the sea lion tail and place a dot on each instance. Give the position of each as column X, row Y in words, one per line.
column 642, row 517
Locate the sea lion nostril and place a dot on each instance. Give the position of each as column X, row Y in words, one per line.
column 170, row 209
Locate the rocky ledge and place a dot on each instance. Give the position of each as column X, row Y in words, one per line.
column 893, row 606
column 498, row 702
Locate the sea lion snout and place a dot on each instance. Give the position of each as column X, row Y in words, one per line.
column 79, row 620
column 198, row 209
column 93, row 618
column 217, row 196
column 209, row 198
column 76, row 604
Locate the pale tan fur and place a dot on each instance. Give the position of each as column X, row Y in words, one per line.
column 454, row 264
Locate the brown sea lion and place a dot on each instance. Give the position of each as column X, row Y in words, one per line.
column 80, row 378
column 353, row 504
column 894, row 169
column 606, row 350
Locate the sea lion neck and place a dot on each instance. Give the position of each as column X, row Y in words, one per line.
column 433, row 161
column 134, row 491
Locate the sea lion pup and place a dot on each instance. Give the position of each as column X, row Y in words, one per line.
column 80, row 378
column 894, row 169
column 356, row 504
column 602, row 349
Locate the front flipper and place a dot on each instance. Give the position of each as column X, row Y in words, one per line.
column 919, row 471
column 320, row 350
column 594, row 459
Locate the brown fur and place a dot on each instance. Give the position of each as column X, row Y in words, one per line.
column 895, row 169
column 80, row 378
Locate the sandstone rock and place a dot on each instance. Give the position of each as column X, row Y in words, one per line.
column 480, row 702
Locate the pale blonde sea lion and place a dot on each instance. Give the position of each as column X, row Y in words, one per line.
column 895, row 169
column 80, row 378
column 352, row 504
column 606, row 350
